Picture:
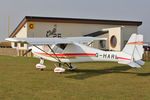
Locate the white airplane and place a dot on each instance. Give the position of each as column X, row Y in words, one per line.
column 73, row 49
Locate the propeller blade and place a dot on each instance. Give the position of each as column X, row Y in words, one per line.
column 27, row 52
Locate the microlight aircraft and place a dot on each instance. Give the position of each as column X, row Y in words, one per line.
column 69, row 50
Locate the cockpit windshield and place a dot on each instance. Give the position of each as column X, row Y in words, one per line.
column 58, row 48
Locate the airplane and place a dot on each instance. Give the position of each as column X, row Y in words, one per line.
column 69, row 50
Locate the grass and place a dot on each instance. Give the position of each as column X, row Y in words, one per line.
column 92, row 81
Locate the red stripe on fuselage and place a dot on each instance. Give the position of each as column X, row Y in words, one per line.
column 123, row 58
column 70, row 54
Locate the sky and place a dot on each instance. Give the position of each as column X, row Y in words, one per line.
column 130, row 10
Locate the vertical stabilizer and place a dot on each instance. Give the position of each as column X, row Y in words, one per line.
column 134, row 48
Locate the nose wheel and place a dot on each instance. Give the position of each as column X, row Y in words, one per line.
column 40, row 66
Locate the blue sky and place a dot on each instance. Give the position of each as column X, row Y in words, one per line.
column 134, row 10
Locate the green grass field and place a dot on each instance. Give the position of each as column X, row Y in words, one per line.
column 92, row 81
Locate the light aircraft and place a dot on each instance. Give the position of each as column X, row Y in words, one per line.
column 73, row 49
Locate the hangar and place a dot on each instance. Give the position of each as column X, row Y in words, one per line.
column 117, row 32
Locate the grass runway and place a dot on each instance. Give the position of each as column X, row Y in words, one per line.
column 92, row 81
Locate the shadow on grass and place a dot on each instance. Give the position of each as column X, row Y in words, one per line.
column 86, row 73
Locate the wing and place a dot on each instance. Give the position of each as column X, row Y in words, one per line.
column 44, row 41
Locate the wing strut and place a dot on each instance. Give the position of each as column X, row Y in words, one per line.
column 48, row 54
column 54, row 54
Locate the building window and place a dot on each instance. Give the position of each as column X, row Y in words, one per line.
column 22, row 45
column 113, row 41
column 15, row 44
column 102, row 44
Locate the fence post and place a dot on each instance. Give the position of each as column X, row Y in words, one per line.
column 148, row 55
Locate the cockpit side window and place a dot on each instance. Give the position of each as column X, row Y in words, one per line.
column 62, row 46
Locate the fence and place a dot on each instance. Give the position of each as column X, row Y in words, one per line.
column 14, row 52
column 8, row 51
column 21, row 52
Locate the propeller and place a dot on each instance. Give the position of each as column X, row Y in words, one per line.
column 27, row 52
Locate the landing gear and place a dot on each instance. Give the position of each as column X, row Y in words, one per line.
column 59, row 69
column 40, row 66
column 70, row 67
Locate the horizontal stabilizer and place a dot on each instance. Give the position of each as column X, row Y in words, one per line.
column 133, row 64
column 140, row 62
column 123, row 62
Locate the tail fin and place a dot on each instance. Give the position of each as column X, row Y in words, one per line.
column 134, row 48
